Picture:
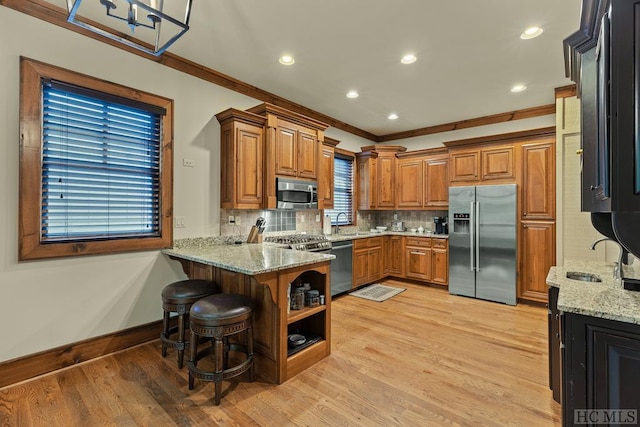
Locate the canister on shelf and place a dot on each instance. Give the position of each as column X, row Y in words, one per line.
column 297, row 299
column 312, row 298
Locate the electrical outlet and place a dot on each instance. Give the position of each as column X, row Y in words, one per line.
column 232, row 219
column 188, row 163
column 302, row 218
column 317, row 217
column 237, row 219
column 179, row 222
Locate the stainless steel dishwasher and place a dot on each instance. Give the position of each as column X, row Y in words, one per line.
column 341, row 267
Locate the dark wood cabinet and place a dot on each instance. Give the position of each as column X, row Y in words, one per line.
column 601, row 365
column 603, row 57
column 555, row 361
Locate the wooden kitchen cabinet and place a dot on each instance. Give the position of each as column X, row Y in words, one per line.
column 241, row 159
column 600, row 366
column 367, row 260
column 394, row 256
column 537, row 255
column 292, row 147
column 377, row 176
column 436, row 182
column 498, row 163
column 409, row 185
column 538, row 181
column 367, row 168
column 418, row 258
column 465, row 166
column 487, row 165
column 440, row 261
column 296, row 151
column 325, row 173
column 555, row 360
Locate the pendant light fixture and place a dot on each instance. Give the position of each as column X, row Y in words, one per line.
column 147, row 25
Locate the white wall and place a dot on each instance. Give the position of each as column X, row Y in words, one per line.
column 46, row 304
column 50, row 303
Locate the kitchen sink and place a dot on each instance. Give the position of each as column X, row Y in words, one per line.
column 585, row 277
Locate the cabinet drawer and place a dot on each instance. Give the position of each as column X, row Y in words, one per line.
column 360, row 244
column 374, row 242
column 439, row 243
column 423, row 242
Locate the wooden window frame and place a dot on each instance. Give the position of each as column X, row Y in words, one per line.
column 30, row 169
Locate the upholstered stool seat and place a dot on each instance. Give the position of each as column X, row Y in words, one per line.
column 178, row 297
column 219, row 317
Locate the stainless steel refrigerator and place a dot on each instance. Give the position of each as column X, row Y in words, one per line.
column 482, row 242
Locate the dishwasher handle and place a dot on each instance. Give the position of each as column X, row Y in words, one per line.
column 348, row 245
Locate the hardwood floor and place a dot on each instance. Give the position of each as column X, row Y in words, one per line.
column 422, row 358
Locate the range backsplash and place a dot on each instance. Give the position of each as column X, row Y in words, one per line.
column 288, row 221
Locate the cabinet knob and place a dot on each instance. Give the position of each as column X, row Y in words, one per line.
column 593, row 187
column 524, row 214
column 579, row 151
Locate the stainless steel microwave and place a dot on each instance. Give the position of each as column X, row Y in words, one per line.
column 296, row 194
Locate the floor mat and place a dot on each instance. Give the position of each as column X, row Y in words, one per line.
column 377, row 292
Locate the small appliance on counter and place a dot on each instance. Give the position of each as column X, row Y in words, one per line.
column 439, row 224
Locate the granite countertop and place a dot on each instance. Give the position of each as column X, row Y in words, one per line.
column 606, row 299
column 350, row 235
column 251, row 259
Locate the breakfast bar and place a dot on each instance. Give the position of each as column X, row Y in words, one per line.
column 265, row 274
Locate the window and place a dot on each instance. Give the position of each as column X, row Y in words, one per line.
column 342, row 190
column 96, row 166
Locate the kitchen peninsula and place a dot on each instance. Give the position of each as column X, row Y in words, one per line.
column 263, row 273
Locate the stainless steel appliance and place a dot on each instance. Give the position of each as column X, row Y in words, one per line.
column 341, row 267
column 296, row 194
column 302, row 242
column 482, row 242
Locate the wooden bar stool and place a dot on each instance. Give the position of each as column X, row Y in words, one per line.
column 178, row 297
column 219, row 317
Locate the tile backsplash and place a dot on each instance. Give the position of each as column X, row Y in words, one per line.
column 298, row 221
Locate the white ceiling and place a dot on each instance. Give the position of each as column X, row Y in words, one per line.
column 469, row 54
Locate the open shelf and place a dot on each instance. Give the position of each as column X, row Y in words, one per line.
column 296, row 315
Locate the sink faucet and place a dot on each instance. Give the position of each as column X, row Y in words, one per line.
column 338, row 221
column 617, row 268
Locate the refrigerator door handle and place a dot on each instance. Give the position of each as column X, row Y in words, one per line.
column 477, row 235
column 472, row 248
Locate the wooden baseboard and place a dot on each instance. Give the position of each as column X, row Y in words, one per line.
column 30, row 366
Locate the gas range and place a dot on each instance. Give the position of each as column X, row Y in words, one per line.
column 302, row 242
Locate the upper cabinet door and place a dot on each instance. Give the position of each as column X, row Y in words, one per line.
column 465, row 166
column 325, row 178
column 249, row 166
column 538, row 181
column 386, row 181
column 307, row 155
column 498, row 163
column 286, row 152
column 436, row 182
column 409, row 193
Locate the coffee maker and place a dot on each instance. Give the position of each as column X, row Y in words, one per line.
column 439, row 224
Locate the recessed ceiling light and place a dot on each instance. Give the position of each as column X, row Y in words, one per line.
column 531, row 33
column 352, row 94
column 409, row 59
column 518, row 88
column 392, row 116
column 287, row 60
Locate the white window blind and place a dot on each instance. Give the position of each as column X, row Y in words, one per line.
column 342, row 191
column 100, row 165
